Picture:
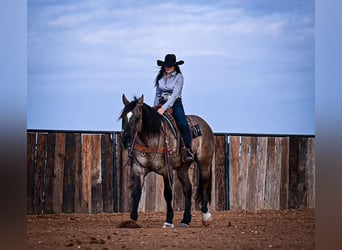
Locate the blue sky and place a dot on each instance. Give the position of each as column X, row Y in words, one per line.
column 249, row 65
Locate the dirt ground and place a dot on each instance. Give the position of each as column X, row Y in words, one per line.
column 229, row 230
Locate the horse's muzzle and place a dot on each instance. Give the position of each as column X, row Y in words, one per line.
column 126, row 146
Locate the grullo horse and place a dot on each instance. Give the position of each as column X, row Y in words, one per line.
column 153, row 146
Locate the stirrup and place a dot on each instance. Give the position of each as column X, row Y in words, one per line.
column 189, row 156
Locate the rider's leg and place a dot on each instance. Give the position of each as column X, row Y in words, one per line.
column 182, row 123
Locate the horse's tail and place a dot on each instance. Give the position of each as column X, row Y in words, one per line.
column 202, row 182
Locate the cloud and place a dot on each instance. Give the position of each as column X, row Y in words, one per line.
column 191, row 29
column 69, row 21
column 112, row 46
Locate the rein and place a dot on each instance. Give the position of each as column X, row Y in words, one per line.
column 156, row 150
column 143, row 149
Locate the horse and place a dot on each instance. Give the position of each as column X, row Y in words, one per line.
column 153, row 146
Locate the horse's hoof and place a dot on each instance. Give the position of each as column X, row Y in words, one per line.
column 182, row 224
column 129, row 224
column 206, row 219
column 168, row 225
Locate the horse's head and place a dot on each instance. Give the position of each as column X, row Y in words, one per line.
column 131, row 120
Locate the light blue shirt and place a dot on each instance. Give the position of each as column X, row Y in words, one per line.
column 171, row 87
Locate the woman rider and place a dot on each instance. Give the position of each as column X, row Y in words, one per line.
column 169, row 84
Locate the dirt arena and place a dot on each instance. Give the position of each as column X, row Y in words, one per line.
column 229, row 230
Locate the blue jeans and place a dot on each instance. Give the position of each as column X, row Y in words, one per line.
column 182, row 123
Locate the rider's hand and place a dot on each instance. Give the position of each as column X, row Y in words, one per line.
column 161, row 111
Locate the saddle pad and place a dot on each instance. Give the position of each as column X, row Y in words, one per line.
column 195, row 128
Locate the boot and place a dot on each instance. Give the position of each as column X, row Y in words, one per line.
column 189, row 156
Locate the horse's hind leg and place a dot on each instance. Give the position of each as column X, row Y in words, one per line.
column 205, row 194
column 183, row 177
column 168, row 199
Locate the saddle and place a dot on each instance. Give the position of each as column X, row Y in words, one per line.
column 195, row 129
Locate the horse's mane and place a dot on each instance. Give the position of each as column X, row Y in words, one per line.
column 151, row 119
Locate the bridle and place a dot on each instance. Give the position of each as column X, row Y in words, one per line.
column 136, row 147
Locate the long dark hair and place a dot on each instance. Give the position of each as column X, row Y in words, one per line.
column 162, row 72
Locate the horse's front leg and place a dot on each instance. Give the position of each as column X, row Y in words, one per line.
column 183, row 176
column 135, row 194
column 168, row 198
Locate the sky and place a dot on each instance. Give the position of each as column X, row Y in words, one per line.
column 249, row 65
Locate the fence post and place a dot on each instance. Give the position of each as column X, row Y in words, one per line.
column 226, row 143
column 115, row 170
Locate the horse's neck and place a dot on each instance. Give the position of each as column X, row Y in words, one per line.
column 159, row 139
column 150, row 140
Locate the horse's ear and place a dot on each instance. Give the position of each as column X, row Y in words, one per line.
column 124, row 100
column 141, row 100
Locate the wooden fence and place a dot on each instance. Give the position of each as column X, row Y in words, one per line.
column 86, row 172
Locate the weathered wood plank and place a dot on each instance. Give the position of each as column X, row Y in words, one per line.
column 243, row 171
column 213, row 202
column 120, row 176
column 107, row 173
column 252, row 175
column 31, row 150
column 124, row 189
column 86, row 165
column 142, row 203
column 220, row 173
column 58, row 172
column 49, row 176
column 293, row 172
column 311, row 173
column 284, row 175
column 194, row 180
column 96, row 177
column 193, row 176
column 78, row 206
column 234, row 148
column 261, row 173
column 160, row 204
column 39, row 174
column 269, row 188
column 116, row 166
column 150, row 192
column 69, row 174
column 302, row 170
column 124, row 180
column 277, row 173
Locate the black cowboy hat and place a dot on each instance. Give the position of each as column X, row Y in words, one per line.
column 170, row 60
